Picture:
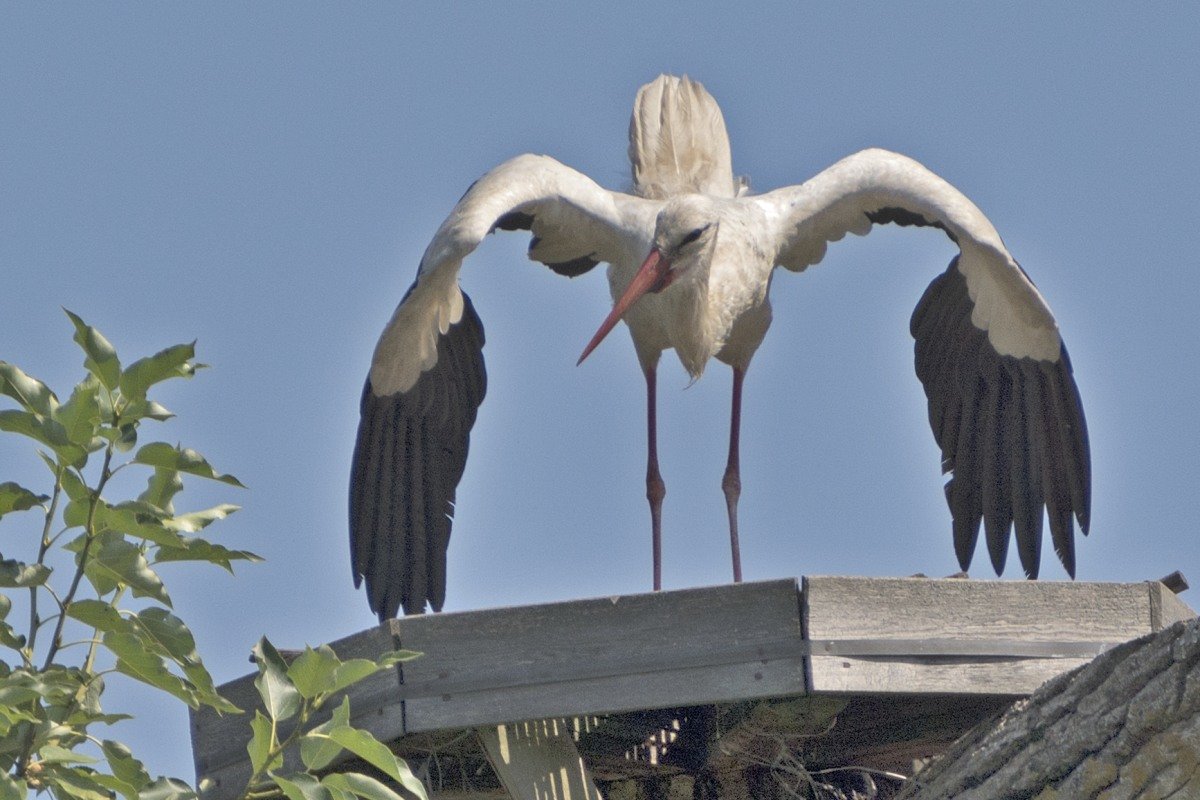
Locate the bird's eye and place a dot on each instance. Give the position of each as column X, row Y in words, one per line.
column 691, row 237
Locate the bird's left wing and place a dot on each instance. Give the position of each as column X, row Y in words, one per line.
column 427, row 375
column 1003, row 403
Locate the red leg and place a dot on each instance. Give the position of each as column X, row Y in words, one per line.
column 656, row 490
column 731, row 484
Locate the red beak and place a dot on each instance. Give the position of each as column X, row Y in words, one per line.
column 652, row 276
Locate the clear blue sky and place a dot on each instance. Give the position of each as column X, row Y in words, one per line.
column 263, row 178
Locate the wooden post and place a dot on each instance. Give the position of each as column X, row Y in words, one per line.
column 539, row 761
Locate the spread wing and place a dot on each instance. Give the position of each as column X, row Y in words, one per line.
column 1003, row 403
column 427, row 375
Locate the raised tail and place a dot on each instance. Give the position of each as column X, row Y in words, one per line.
column 678, row 142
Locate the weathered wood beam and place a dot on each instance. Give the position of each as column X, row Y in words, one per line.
column 604, row 655
column 961, row 613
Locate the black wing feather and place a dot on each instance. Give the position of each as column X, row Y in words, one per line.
column 1012, row 431
column 995, row 441
column 1027, row 519
column 409, row 457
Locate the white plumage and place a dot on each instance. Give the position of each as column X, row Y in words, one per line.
column 1003, row 404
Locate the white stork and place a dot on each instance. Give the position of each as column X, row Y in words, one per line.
column 1003, row 404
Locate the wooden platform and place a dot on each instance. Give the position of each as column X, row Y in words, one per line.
column 870, row 671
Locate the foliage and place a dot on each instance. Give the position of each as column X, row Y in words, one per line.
column 295, row 693
column 95, row 604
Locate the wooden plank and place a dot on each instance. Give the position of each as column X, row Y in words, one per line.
column 538, row 760
column 219, row 741
column 716, row 645
column 687, row 647
column 915, row 608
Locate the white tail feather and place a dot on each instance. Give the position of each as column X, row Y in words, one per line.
column 678, row 142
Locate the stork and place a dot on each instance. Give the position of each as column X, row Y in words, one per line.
column 691, row 255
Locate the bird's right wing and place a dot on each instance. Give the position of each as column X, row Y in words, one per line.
column 427, row 375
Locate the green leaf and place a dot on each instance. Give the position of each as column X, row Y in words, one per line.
column 338, row 792
column 146, row 409
column 11, row 788
column 57, row 684
column 101, row 358
column 278, row 694
column 172, row 362
column 43, row 430
column 137, row 661
column 123, row 765
column 154, row 632
column 167, row 789
column 75, row 514
column 32, row 425
column 99, row 615
column 72, row 484
column 161, row 489
column 312, row 671
column 117, row 562
column 17, row 689
column 126, row 437
column 301, row 786
column 123, row 788
column 138, row 519
column 161, row 454
column 73, row 782
column 86, row 708
column 317, row 750
column 87, row 698
column 12, row 714
column 204, row 550
column 80, row 416
column 206, row 692
column 363, row 786
column 10, row 638
column 81, row 719
column 143, row 520
column 15, row 574
column 394, row 657
column 352, row 671
column 54, row 754
column 371, row 750
column 14, row 497
column 262, row 741
column 32, row 394
column 167, row 634
column 196, row 521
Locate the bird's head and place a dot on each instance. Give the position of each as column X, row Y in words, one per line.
column 684, row 235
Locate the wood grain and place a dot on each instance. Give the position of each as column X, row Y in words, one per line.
column 687, row 647
column 920, row 608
